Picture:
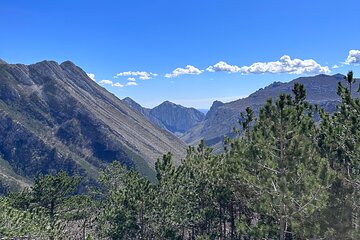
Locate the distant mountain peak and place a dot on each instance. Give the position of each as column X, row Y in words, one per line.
column 177, row 118
column 172, row 105
column 133, row 104
column 322, row 75
column 275, row 84
column 47, row 62
column 2, row 61
column 168, row 115
column 338, row 75
column 169, row 103
column 128, row 99
column 216, row 104
column 68, row 63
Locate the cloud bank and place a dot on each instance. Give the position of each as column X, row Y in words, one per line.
column 223, row 67
column 286, row 65
column 131, row 84
column 183, row 71
column 353, row 57
column 106, row 82
column 109, row 82
column 118, row 85
column 139, row 74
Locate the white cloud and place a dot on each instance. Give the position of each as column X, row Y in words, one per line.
column 335, row 66
column 131, row 84
column 109, row 82
column 91, row 76
column 106, row 82
column 140, row 75
column 353, row 57
column 223, row 67
column 118, row 85
column 182, row 71
column 287, row 65
column 131, row 79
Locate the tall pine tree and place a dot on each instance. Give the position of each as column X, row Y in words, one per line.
column 280, row 162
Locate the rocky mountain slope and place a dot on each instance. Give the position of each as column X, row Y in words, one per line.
column 53, row 116
column 223, row 117
column 170, row 116
column 144, row 111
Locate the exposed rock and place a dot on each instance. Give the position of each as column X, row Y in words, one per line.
column 144, row 111
column 170, row 116
column 55, row 117
column 176, row 118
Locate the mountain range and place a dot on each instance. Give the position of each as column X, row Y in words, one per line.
column 221, row 119
column 191, row 125
column 53, row 116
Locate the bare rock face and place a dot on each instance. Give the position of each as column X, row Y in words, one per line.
column 170, row 116
column 222, row 118
column 53, row 116
column 176, row 118
column 144, row 111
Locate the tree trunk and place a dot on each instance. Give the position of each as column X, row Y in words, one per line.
column 52, row 220
column 282, row 228
column 232, row 221
column 84, row 229
column 282, row 178
column 220, row 222
column 355, row 222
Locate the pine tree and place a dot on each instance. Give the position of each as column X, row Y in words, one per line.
column 50, row 192
column 339, row 141
column 17, row 223
column 280, row 163
column 126, row 203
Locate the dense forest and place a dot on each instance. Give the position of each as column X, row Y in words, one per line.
column 291, row 173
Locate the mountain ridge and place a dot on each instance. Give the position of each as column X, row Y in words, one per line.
column 53, row 116
column 223, row 117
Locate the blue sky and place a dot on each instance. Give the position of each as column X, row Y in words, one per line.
column 143, row 42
